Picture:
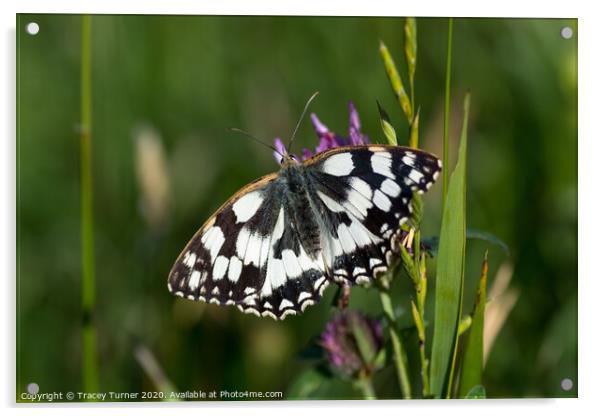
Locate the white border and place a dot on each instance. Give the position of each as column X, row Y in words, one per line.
column 466, row 8
column 590, row 230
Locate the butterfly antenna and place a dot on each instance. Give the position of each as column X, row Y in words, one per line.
column 301, row 119
column 249, row 135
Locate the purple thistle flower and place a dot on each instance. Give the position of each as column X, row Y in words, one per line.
column 355, row 134
column 341, row 342
column 328, row 139
column 280, row 149
column 306, row 154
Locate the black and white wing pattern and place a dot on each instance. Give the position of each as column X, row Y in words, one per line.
column 249, row 254
column 274, row 246
column 364, row 194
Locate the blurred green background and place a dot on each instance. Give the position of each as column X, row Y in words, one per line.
column 165, row 88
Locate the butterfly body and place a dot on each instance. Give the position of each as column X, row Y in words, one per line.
column 297, row 190
column 275, row 245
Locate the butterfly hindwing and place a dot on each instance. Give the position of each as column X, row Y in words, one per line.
column 293, row 279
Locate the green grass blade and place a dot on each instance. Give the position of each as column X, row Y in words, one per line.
column 386, row 125
column 463, row 139
column 450, row 272
column 89, row 365
column 477, row 392
column 400, row 356
column 306, row 385
column 396, row 83
column 472, row 367
column 444, row 177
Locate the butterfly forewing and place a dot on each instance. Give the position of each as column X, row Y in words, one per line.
column 275, row 245
column 365, row 193
column 249, row 254
column 221, row 263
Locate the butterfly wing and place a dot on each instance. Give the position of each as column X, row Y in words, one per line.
column 364, row 194
column 293, row 278
column 221, row 264
column 249, row 254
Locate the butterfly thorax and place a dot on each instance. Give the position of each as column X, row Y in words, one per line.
column 297, row 191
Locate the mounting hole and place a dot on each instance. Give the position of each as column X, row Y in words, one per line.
column 566, row 384
column 33, row 388
column 32, row 28
column 566, row 32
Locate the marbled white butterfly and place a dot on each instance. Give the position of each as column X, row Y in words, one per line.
column 277, row 243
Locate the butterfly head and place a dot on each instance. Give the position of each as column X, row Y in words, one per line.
column 288, row 160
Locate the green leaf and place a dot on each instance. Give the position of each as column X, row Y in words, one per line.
column 472, row 367
column 465, row 324
column 450, row 272
column 477, row 392
column 381, row 359
column 315, row 384
column 306, row 384
column 386, row 125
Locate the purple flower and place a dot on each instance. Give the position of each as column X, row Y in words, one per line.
column 329, row 139
column 280, row 149
column 351, row 342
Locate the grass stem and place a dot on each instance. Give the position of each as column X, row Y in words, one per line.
column 446, row 111
column 421, row 288
column 365, row 386
column 89, row 365
column 399, row 353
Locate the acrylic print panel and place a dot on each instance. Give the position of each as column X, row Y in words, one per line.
column 124, row 154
